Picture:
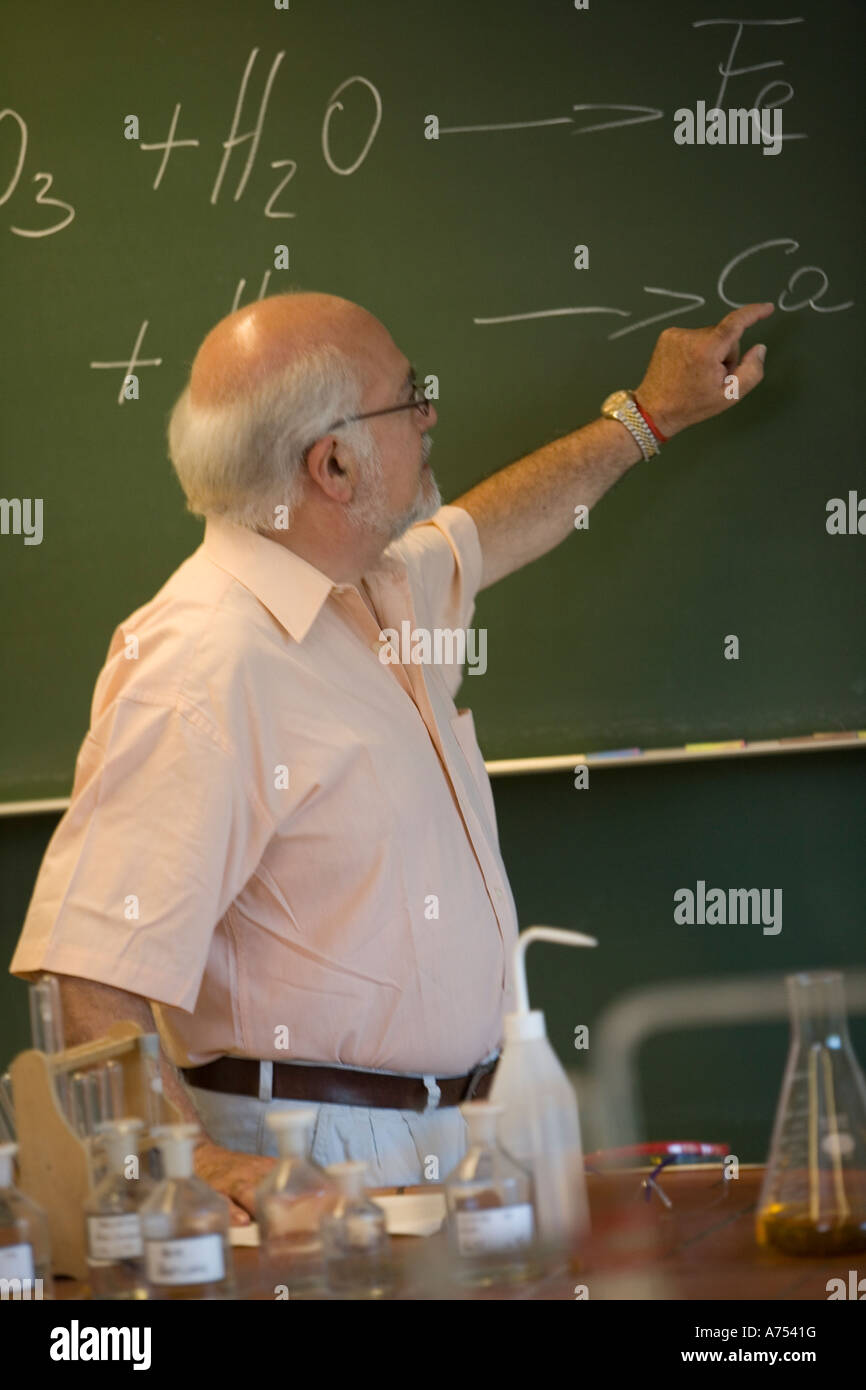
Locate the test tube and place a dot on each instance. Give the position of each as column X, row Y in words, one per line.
column 100, row 1105
column 7, row 1110
column 46, row 1014
column 151, row 1078
column 114, row 1095
column 46, row 1028
column 96, row 1088
column 148, row 1045
column 81, row 1099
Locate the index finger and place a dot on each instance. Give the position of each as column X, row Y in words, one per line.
column 732, row 327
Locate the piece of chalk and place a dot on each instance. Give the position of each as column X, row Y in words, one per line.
column 714, row 747
column 617, row 753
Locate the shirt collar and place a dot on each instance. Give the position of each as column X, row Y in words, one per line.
column 292, row 589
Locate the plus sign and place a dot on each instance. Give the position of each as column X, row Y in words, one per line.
column 167, row 146
column 134, row 362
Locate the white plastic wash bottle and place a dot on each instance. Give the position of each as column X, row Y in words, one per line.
column 539, row 1126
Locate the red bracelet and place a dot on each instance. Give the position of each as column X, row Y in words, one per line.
column 655, row 429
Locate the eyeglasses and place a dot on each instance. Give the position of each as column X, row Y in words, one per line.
column 706, row 1165
column 418, row 402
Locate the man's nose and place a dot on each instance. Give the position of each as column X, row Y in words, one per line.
column 430, row 419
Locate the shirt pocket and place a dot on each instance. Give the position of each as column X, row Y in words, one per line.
column 463, row 725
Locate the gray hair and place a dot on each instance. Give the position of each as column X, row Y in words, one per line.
column 243, row 458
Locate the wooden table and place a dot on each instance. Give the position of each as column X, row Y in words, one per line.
column 703, row 1247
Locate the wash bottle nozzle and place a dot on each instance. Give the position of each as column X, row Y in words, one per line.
column 562, row 938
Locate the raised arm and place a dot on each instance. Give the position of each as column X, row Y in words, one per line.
column 526, row 509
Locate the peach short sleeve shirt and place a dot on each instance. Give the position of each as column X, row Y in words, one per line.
column 286, row 845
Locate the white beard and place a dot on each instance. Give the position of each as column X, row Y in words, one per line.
column 369, row 513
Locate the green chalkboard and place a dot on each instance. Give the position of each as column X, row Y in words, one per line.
column 310, row 130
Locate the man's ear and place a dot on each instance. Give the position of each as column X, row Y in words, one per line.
column 334, row 466
column 326, row 469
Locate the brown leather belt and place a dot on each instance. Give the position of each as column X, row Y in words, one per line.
column 338, row 1085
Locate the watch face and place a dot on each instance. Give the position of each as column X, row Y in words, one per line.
column 616, row 401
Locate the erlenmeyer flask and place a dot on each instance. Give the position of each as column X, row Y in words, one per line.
column 813, row 1201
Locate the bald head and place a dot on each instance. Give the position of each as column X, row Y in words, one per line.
column 248, row 346
column 265, row 432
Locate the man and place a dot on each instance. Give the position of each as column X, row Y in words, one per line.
column 281, row 848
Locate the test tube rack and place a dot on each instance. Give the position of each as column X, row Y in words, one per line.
column 55, row 1164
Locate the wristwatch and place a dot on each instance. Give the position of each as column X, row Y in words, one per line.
column 621, row 406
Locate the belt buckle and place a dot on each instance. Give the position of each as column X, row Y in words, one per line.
column 483, row 1069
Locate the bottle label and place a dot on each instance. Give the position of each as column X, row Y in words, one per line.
column 494, row 1228
column 16, row 1262
column 114, row 1237
column 192, row 1260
